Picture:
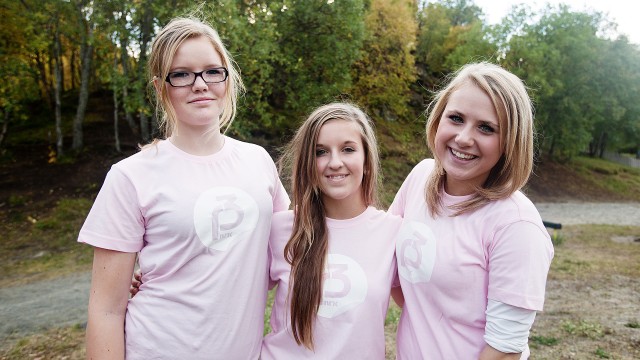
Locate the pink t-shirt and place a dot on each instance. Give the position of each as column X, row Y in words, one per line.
column 450, row 266
column 201, row 227
column 358, row 275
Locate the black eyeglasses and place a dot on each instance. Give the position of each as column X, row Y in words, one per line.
column 188, row 78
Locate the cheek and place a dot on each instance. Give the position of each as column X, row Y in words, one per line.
column 320, row 164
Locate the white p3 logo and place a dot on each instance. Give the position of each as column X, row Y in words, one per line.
column 344, row 287
column 223, row 215
column 415, row 252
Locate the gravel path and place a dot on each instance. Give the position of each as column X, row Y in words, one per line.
column 38, row 306
column 591, row 213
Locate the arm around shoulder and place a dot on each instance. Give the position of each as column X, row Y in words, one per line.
column 110, row 281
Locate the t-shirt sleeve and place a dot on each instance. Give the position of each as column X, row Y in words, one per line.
column 519, row 260
column 281, row 199
column 115, row 221
column 398, row 204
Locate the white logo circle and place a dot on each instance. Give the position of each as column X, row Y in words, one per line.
column 345, row 286
column 415, row 252
column 224, row 215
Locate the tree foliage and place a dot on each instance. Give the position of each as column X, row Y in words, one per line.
column 386, row 69
column 387, row 55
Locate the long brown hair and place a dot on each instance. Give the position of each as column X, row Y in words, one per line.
column 515, row 114
column 308, row 245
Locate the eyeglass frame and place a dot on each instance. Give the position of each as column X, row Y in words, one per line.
column 196, row 74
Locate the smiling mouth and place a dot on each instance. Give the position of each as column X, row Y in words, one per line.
column 336, row 177
column 462, row 156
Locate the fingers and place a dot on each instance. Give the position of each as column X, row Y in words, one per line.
column 135, row 283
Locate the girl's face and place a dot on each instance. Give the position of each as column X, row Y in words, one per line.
column 340, row 156
column 467, row 141
column 197, row 106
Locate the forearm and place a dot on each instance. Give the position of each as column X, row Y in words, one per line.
column 398, row 296
column 108, row 299
column 105, row 336
column 489, row 353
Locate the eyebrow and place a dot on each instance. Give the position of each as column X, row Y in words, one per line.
column 187, row 68
column 344, row 143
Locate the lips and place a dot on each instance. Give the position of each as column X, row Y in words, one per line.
column 203, row 99
column 461, row 156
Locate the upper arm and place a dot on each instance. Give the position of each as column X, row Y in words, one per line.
column 519, row 260
column 111, row 277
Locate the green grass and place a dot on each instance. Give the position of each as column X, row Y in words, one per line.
column 41, row 247
column 610, row 176
column 586, row 257
column 543, row 340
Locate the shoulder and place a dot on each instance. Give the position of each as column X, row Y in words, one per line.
column 420, row 171
column 515, row 208
column 424, row 166
column 383, row 219
column 246, row 147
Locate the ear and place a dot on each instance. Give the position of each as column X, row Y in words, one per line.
column 157, row 84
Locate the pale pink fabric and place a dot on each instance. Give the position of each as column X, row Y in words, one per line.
column 450, row 266
column 201, row 226
column 361, row 267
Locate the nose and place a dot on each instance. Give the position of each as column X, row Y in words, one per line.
column 465, row 136
column 199, row 83
column 336, row 161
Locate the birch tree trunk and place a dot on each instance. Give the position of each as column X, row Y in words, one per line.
column 86, row 54
column 56, row 92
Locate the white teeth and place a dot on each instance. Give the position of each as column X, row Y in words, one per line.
column 336, row 177
column 461, row 155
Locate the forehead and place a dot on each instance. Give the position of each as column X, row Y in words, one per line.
column 340, row 131
column 470, row 100
column 196, row 52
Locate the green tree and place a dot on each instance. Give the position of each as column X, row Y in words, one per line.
column 319, row 41
column 19, row 85
column 383, row 76
column 556, row 58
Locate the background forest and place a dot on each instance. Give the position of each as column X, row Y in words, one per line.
column 386, row 55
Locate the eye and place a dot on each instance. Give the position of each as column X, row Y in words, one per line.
column 349, row 149
column 178, row 75
column 216, row 71
column 456, row 119
column 320, row 152
column 485, row 128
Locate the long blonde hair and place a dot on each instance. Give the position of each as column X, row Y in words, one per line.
column 307, row 247
column 163, row 51
column 515, row 115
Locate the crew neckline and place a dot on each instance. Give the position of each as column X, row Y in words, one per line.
column 199, row 158
column 343, row 223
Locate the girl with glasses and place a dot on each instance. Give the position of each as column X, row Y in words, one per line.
column 196, row 208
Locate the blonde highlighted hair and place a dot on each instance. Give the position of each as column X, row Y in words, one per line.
column 163, row 51
column 515, row 115
column 307, row 247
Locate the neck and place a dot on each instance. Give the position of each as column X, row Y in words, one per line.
column 343, row 210
column 198, row 141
